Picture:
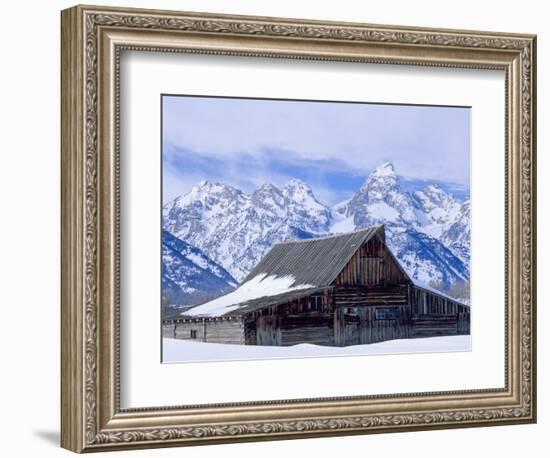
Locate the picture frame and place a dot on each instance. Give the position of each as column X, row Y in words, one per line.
column 93, row 39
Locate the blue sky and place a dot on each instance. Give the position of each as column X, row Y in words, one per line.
column 331, row 146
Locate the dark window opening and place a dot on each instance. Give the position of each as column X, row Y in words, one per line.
column 316, row 304
column 386, row 313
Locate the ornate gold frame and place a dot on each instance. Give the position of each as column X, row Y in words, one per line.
column 92, row 38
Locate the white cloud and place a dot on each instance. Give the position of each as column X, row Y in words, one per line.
column 423, row 142
column 243, row 138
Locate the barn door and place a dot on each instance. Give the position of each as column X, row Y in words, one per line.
column 268, row 330
column 372, row 270
column 346, row 326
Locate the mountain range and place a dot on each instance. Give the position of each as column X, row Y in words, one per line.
column 427, row 229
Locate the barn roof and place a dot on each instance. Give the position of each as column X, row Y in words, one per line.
column 316, row 261
column 295, row 269
column 290, row 270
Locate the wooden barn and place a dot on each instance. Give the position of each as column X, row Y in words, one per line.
column 341, row 290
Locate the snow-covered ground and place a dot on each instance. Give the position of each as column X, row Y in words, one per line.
column 177, row 350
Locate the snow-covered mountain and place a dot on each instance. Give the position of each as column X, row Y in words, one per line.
column 427, row 229
column 381, row 201
column 188, row 275
column 456, row 233
column 236, row 229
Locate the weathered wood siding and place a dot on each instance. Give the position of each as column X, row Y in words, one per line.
column 313, row 328
column 365, row 324
column 230, row 331
column 350, row 296
column 424, row 302
column 371, row 265
column 435, row 315
column 463, row 322
column 168, row 329
column 304, row 320
column 434, row 325
column 268, row 330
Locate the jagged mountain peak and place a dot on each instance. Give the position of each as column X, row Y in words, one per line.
column 269, row 197
column 297, row 187
column 380, row 182
column 297, row 182
column 385, row 169
column 268, row 187
column 205, row 193
column 298, row 192
column 380, row 200
column 206, row 186
column 436, row 194
column 433, row 196
column 268, row 191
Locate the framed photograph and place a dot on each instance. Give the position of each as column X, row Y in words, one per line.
column 255, row 265
column 278, row 228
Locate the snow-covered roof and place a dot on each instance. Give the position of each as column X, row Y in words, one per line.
column 262, row 289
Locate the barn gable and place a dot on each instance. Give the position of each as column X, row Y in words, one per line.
column 373, row 264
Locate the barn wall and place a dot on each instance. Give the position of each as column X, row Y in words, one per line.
column 463, row 325
column 347, row 315
column 371, row 265
column 168, row 330
column 434, row 325
column 215, row 331
column 415, row 312
column 351, row 296
column 435, row 315
column 272, row 330
column 365, row 324
column 313, row 329
column 308, row 319
column 424, row 302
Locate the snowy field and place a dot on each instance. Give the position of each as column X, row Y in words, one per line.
column 177, row 350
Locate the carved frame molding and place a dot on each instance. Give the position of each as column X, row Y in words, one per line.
column 92, row 39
